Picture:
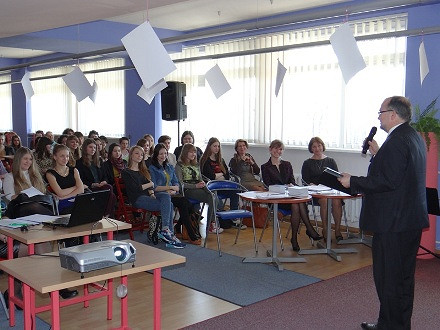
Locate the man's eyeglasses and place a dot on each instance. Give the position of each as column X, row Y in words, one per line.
column 381, row 112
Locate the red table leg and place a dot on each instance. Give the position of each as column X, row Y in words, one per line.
column 156, row 298
column 27, row 307
column 110, row 299
column 55, row 299
column 110, row 235
column 11, row 295
column 124, row 306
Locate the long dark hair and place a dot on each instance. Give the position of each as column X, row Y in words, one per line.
column 207, row 154
column 156, row 151
column 41, row 149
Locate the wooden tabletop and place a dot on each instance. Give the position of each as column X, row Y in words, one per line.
column 44, row 273
column 44, row 233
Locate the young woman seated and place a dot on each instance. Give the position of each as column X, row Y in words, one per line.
column 278, row 171
column 187, row 137
column 43, row 155
column 140, row 191
column 15, row 143
column 190, row 178
column 145, row 144
column 62, row 139
column 165, row 180
column 125, row 148
column 150, row 140
column 114, row 165
column 75, row 152
column 89, row 168
column 243, row 165
column 64, row 180
column 214, row 168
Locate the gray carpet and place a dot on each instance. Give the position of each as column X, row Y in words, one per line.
column 4, row 323
column 227, row 277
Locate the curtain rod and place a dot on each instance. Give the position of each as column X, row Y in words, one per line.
column 404, row 33
column 294, row 18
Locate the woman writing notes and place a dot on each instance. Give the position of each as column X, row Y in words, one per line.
column 278, row 171
column 311, row 172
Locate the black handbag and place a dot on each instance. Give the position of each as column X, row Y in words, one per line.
column 23, row 205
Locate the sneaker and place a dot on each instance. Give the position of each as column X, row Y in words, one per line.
column 236, row 224
column 166, row 236
column 212, row 229
column 175, row 245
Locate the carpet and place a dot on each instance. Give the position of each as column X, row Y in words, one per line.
column 342, row 303
column 4, row 322
column 227, row 277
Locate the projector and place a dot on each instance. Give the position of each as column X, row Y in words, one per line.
column 87, row 257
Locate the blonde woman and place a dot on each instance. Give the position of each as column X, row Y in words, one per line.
column 75, row 152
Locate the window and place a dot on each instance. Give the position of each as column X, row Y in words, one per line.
column 313, row 100
column 54, row 107
column 5, row 104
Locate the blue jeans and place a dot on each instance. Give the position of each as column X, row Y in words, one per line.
column 161, row 203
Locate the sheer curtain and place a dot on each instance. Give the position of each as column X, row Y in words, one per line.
column 5, row 104
column 313, row 100
column 55, row 108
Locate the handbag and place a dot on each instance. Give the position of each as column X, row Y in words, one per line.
column 23, row 205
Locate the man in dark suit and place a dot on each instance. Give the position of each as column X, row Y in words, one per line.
column 394, row 209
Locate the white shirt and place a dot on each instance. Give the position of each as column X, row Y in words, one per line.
column 8, row 184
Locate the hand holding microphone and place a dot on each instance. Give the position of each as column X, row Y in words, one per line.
column 369, row 138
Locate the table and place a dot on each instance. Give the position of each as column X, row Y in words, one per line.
column 42, row 234
column 272, row 257
column 327, row 249
column 44, row 274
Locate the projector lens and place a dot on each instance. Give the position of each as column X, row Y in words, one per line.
column 120, row 253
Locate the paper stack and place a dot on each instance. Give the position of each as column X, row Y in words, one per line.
column 298, row 192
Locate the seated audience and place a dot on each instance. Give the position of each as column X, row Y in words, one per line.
column 125, row 149
column 214, row 168
column 15, row 143
column 49, row 135
column 243, row 165
column 278, row 171
column 89, row 168
column 68, row 131
column 193, row 186
column 93, row 134
column 104, row 153
column 166, row 141
column 43, row 155
column 140, row 191
column 165, row 180
column 187, row 137
column 114, row 165
column 98, row 143
column 311, row 172
column 145, row 144
column 5, row 150
column 150, row 140
column 36, row 135
column 80, row 137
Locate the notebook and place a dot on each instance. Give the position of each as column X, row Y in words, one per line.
column 87, row 208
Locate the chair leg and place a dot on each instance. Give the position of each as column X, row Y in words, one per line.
column 279, row 234
column 346, row 220
column 269, row 211
column 5, row 308
column 217, row 225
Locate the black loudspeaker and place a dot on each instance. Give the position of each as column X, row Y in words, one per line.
column 173, row 101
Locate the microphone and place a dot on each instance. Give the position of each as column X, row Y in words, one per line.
column 368, row 139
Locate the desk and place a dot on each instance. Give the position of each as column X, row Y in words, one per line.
column 327, row 249
column 45, row 275
column 272, row 256
column 41, row 234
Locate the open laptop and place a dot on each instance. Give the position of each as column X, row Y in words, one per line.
column 87, row 208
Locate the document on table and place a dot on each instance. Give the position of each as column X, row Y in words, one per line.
column 319, row 187
column 31, row 192
column 29, row 220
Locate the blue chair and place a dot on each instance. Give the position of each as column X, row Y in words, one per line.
column 216, row 187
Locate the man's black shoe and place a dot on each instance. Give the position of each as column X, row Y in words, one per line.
column 369, row 326
column 66, row 293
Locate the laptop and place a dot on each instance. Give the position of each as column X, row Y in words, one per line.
column 87, row 208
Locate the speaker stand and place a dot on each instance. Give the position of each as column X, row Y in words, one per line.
column 178, row 130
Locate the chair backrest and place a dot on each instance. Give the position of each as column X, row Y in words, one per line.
column 216, row 185
column 122, row 198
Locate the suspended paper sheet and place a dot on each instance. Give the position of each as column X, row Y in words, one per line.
column 345, row 47
column 27, row 86
column 217, row 81
column 95, row 92
column 281, row 72
column 424, row 67
column 148, row 55
column 148, row 94
column 78, row 84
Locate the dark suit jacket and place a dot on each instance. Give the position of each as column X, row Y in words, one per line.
column 272, row 176
column 86, row 174
column 395, row 186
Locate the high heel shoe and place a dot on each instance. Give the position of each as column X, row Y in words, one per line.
column 295, row 245
column 314, row 235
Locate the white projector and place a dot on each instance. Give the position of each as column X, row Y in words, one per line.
column 87, row 257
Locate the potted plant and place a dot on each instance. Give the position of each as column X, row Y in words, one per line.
column 425, row 122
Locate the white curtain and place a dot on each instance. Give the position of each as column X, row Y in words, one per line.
column 55, row 108
column 313, row 100
column 5, row 105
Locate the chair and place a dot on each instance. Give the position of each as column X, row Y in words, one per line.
column 127, row 213
column 216, row 187
column 2, row 300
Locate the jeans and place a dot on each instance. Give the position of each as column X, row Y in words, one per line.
column 161, row 203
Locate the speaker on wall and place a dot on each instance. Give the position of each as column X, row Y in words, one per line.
column 173, row 101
